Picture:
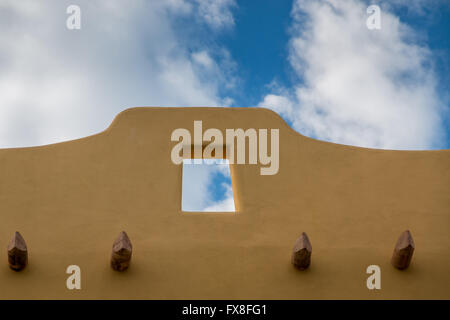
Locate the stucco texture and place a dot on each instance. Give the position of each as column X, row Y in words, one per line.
column 70, row 201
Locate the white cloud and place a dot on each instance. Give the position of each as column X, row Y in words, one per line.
column 58, row 84
column 225, row 205
column 372, row 88
column 217, row 13
column 280, row 104
column 203, row 59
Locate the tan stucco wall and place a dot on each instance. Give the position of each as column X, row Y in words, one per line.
column 70, row 200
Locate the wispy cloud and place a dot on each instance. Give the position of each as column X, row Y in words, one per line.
column 224, row 205
column 217, row 13
column 371, row 88
column 57, row 84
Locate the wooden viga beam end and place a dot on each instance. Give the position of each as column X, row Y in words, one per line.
column 17, row 252
column 403, row 251
column 301, row 254
column 121, row 252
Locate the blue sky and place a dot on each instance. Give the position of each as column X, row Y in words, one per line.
column 260, row 40
column 259, row 43
column 313, row 62
column 435, row 26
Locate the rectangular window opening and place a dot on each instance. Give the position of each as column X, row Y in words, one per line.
column 207, row 186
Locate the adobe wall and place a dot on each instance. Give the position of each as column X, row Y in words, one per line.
column 70, row 200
